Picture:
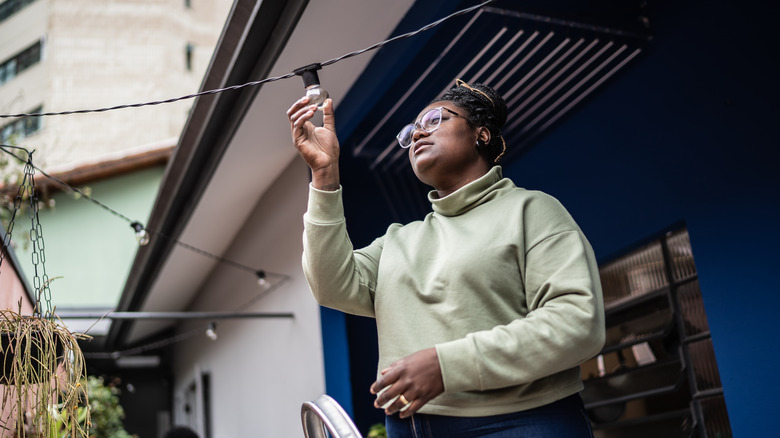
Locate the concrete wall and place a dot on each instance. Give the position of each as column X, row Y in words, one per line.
column 12, row 294
column 101, row 54
column 90, row 248
column 12, row 289
column 26, row 91
column 261, row 370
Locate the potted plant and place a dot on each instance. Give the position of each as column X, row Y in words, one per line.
column 377, row 431
column 43, row 365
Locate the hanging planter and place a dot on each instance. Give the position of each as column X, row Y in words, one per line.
column 42, row 363
column 26, row 349
column 41, row 376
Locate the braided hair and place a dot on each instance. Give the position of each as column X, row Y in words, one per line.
column 485, row 108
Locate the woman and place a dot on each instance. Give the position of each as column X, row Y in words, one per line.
column 485, row 308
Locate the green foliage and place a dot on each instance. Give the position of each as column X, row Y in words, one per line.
column 42, row 364
column 11, row 175
column 64, row 426
column 377, row 431
column 107, row 413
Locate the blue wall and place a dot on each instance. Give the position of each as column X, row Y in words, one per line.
column 336, row 358
column 690, row 133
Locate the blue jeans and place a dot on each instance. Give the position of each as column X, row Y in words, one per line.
column 565, row 418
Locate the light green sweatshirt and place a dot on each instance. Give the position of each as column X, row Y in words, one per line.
column 499, row 279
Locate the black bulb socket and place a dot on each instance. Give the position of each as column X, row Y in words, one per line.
column 309, row 74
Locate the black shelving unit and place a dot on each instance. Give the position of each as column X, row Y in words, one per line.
column 656, row 375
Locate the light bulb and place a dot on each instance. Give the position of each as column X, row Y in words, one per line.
column 141, row 235
column 317, row 95
column 314, row 91
column 211, row 331
column 261, row 280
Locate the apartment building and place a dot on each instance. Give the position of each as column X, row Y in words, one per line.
column 62, row 55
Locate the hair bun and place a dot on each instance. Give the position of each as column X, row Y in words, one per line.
column 499, row 106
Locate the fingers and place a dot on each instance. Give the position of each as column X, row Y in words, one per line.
column 298, row 114
column 392, row 400
column 383, row 387
column 328, row 120
column 402, row 402
column 393, row 395
column 416, row 377
column 381, row 383
column 297, row 106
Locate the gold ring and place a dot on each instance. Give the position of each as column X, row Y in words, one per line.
column 403, row 400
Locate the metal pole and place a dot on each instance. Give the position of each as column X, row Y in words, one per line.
column 170, row 315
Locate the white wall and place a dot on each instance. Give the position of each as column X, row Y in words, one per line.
column 261, row 370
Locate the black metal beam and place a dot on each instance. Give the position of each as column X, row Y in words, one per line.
column 252, row 41
column 171, row 315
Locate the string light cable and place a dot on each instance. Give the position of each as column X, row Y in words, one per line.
column 144, row 348
column 140, row 230
column 262, row 276
column 261, row 81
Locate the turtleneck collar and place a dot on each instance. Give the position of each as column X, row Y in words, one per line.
column 470, row 195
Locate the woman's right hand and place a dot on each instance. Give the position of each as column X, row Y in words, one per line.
column 317, row 145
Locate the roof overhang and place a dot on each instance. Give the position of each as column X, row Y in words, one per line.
column 239, row 141
column 545, row 61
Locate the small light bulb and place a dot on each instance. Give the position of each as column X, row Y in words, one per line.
column 261, row 279
column 141, row 235
column 211, row 331
column 317, row 95
column 314, row 91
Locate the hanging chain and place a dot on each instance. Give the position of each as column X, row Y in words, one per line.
column 17, row 204
column 40, row 282
column 40, row 278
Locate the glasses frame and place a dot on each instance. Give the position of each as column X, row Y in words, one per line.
column 417, row 125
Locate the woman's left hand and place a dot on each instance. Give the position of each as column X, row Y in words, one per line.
column 416, row 377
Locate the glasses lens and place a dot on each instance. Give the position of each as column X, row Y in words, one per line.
column 405, row 136
column 430, row 120
column 428, row 123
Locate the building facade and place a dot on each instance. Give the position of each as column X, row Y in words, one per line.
column 62, row 55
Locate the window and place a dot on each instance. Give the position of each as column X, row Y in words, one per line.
column 10, row 7
column 20, row 62
column 188, row 52
column 21, row 128
column 656, row 375
column 205, row 380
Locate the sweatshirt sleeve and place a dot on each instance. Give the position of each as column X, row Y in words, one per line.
column 339, row 277
column 563, row 328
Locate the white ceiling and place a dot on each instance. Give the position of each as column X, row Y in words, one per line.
column 261, row 148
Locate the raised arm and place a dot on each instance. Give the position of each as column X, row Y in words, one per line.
column 317, row 145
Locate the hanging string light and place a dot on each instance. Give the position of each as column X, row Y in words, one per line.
column 211, row 331
column 314, row 91
column 142, row 234
column 311, row 82
column 261, row 279
column 262, row 81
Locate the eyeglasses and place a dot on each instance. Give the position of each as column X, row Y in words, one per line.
column 429, row 122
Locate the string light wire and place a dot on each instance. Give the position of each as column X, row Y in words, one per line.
column 258, row 272
column 261, row 81
column 143, row 348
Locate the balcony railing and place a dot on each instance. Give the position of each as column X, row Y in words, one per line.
column 10, row 7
